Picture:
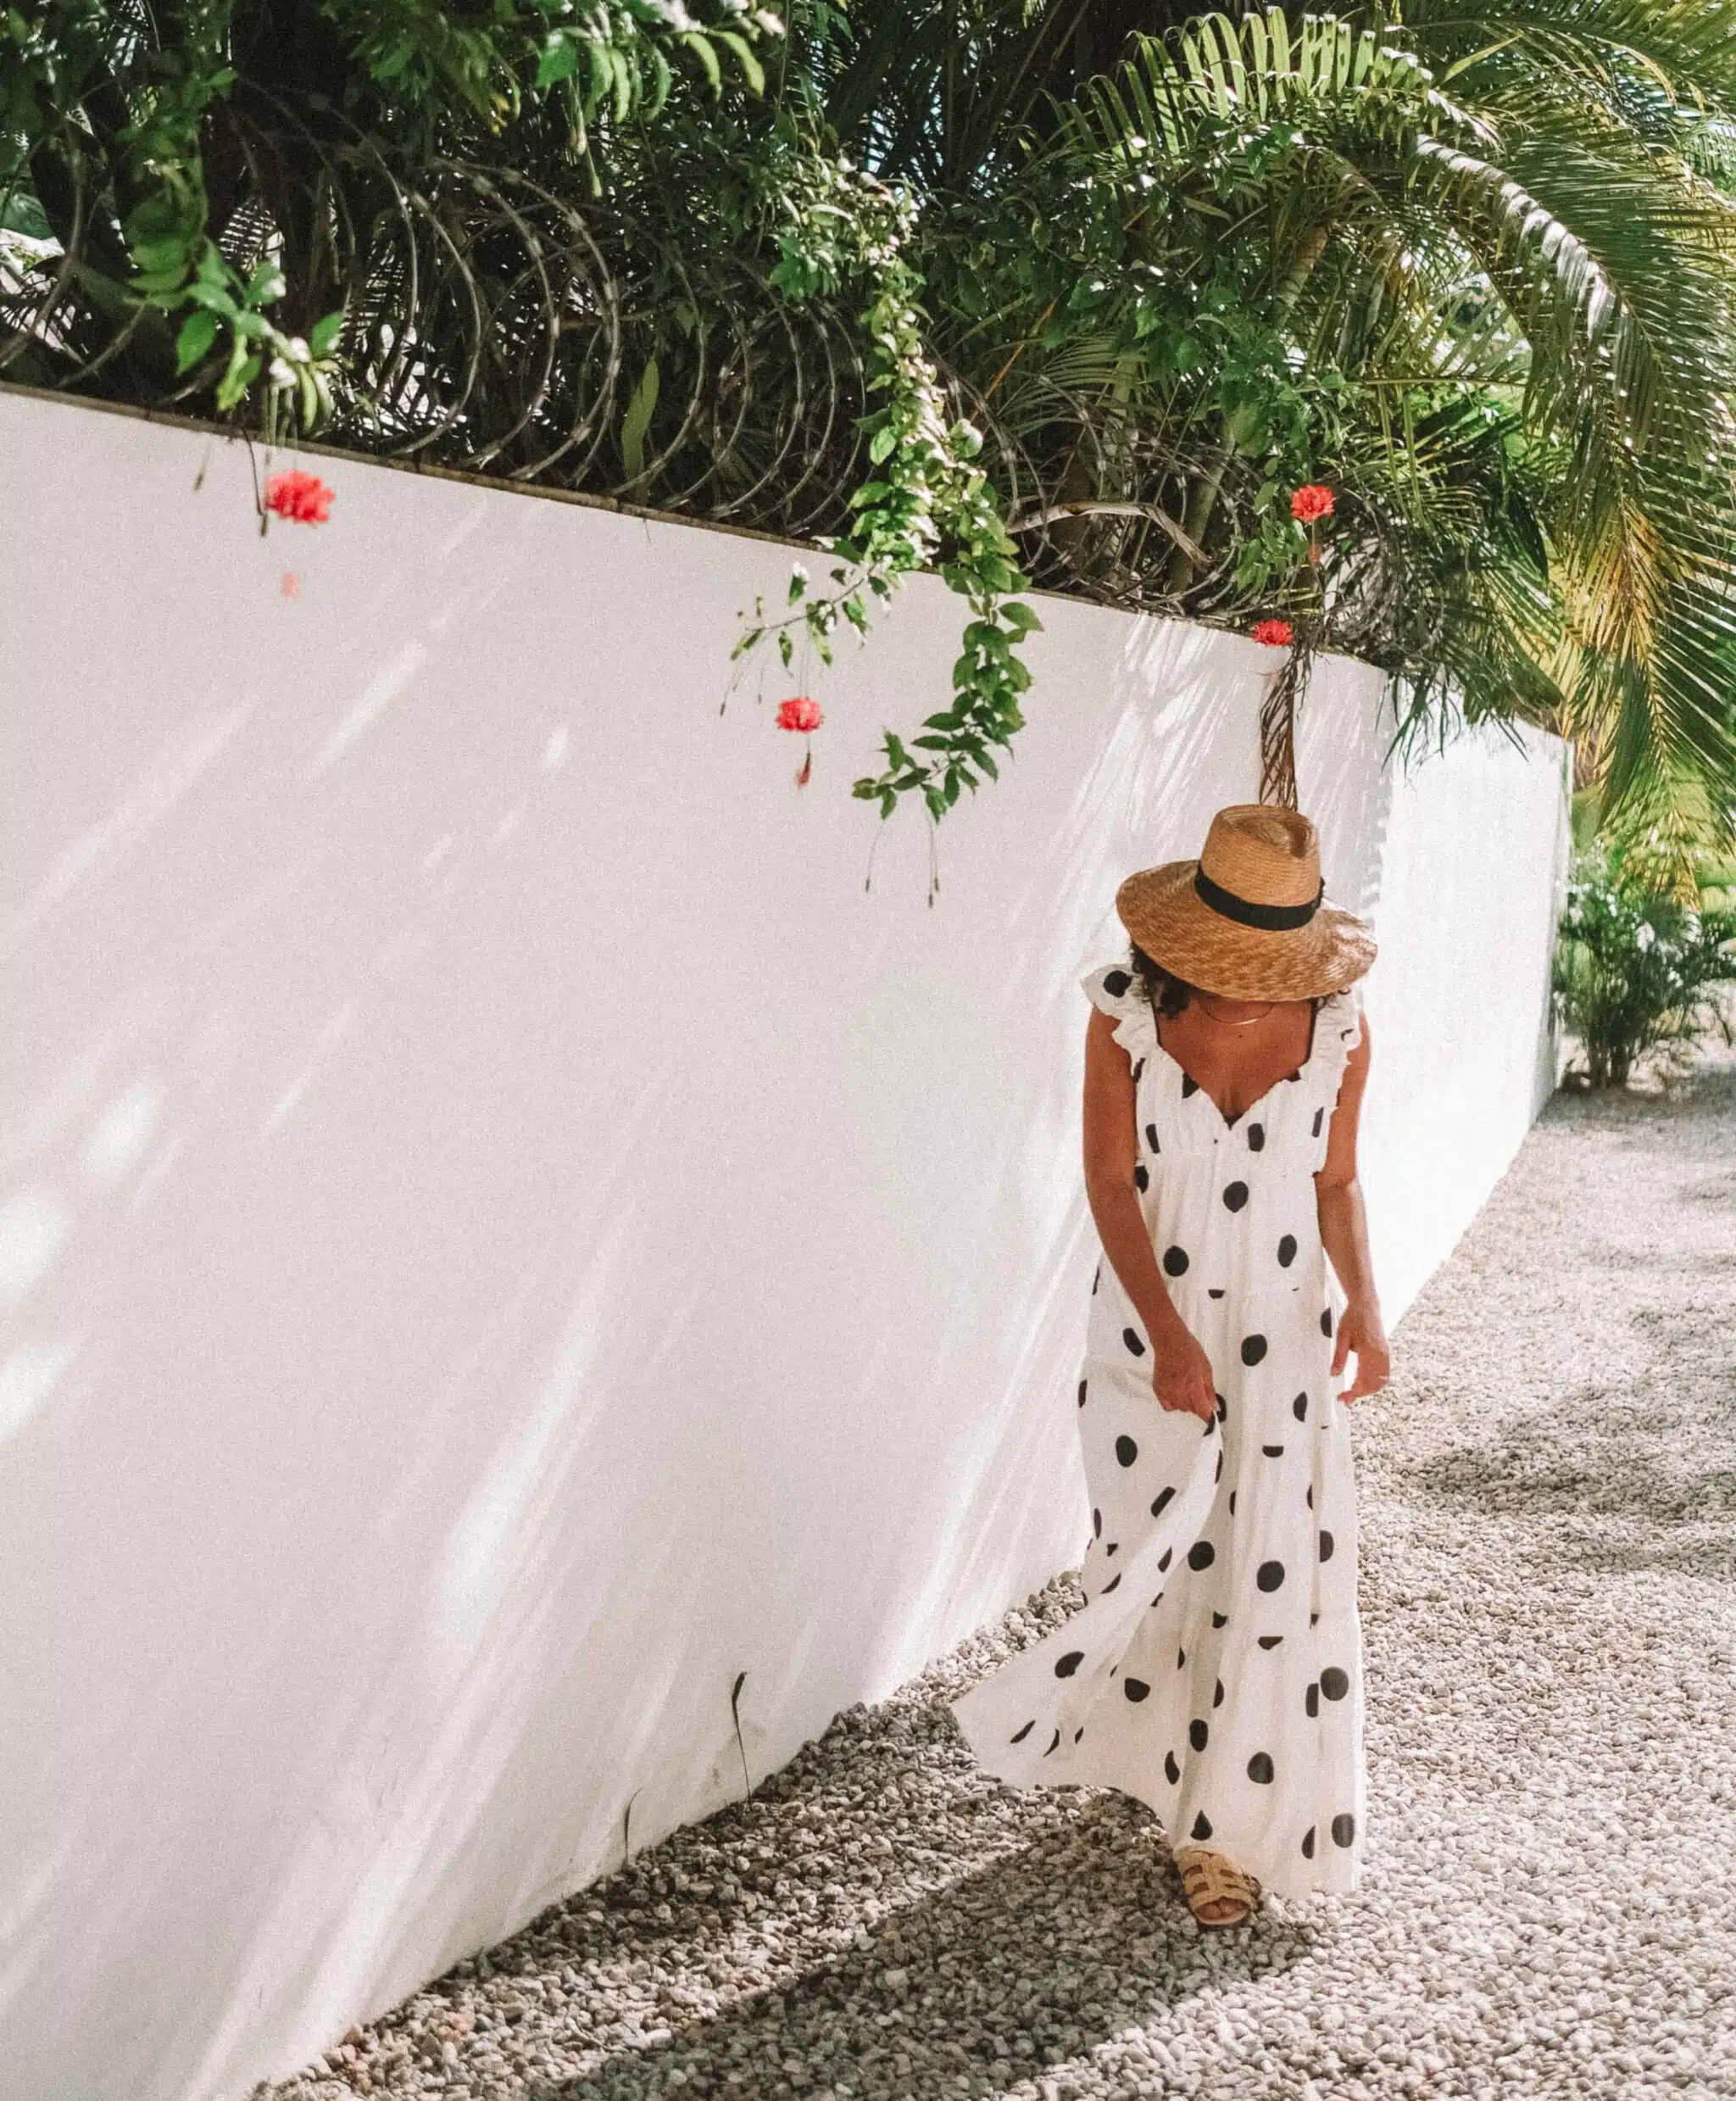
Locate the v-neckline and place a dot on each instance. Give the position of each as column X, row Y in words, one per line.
column 1284, row 1079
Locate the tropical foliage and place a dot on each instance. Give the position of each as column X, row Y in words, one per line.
column 1071, row 292
column 1638, row 973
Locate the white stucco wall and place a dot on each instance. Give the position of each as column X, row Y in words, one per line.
column 500, row 1232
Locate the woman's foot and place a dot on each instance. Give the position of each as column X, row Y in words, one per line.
column 1218, row 1892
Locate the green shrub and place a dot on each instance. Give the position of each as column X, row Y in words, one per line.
column 1636, row 971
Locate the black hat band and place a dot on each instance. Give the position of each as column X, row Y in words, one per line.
column 1246, row 913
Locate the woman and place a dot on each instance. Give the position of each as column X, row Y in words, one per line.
column 1215, row 1671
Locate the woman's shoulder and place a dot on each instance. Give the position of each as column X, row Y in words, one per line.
column 1114, row 989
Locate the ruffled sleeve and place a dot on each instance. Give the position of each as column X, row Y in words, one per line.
column 1114, row 990
column 1338, row 1024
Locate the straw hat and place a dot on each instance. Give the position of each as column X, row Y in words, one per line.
column 1247, row 919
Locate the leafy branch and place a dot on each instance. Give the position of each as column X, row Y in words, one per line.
column 928, row 504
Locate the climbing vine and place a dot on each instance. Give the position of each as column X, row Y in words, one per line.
column 927, row 503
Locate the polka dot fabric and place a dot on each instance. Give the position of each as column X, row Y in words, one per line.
column 1215, row 1671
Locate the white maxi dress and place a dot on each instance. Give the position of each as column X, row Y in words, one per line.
column 1215, row 1671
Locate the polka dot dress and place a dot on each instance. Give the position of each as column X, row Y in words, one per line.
column 1215, row 1670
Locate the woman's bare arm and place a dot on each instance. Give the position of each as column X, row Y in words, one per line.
column 1343, row 1233
column 1181, row 1377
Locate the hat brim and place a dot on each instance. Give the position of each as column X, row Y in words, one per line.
column 1169, row 919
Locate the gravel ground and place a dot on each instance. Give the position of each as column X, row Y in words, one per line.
column 1548, row 1491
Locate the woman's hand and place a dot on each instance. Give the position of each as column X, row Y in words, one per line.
column 1360, row 1329
column 1180, row 1371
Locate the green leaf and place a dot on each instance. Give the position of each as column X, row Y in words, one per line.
column 559, row 60
column 323, row 338
column 637, row 420
column 752, row 72
column 786, row 648
column 198, row 333
column 700, row 46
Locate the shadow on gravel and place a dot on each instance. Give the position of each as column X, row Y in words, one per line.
column 1606, row 1486
column 970, row 1989
column 965, row 1990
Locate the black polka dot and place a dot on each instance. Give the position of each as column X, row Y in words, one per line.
column 1081, row 1393
column 1201, row 1554
column 1151, row 1138
column 1220, row 1619
column 1133, row 1342
column 1158, row 1600
column 1168, row 1555
column 1309, row 1498
column 1308, row 1843
column 1126, row 1450
column 1333, row 1682
column 1217, row 1696
column 1273, row 1451
column 1287, row 1250
column 1271, row 1574
column 1312, row 1617
column 1344, row 1829
column 1310, row 1700
column 1256, row 1137
column 1172, row 1771
column 1067, row 1664
column 1326, row 1321
column 1189, row 1085
column 1223, row 1407
column 1213, row 1293
column 1270, row 1640
column 1326, row 1545
column 1235, row 1195
column 1298, row 1408
column 1261, row 1767
column 1110, row 1586
column 1096, row 1279
column 1319, row 1115
column 1175, row 1262
column 1180, row 1657
column 1113, row 1547
column 1196, row 1734
column 1135, row 1688
column 1024, row 1732
column 1097, row 1524
column 1053, row 1741
column 1232, row 1502
column 1218, row 1472
column 1142, row 1179
column 1159, row 1501
column 1138, row 1070
column 1202, row 1826
column 1078, row 1732
column 1116, row 982
column 1253, row 1349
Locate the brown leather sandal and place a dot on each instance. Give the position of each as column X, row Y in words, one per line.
column 1213, row 1878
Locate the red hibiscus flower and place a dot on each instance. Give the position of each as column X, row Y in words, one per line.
column 1276, row 635
column 1310, row 503
column 303, row 498
column 799, row 714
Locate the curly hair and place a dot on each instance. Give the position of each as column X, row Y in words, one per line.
column 1167, row 992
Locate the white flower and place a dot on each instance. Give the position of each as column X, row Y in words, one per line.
column 1645, row 937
